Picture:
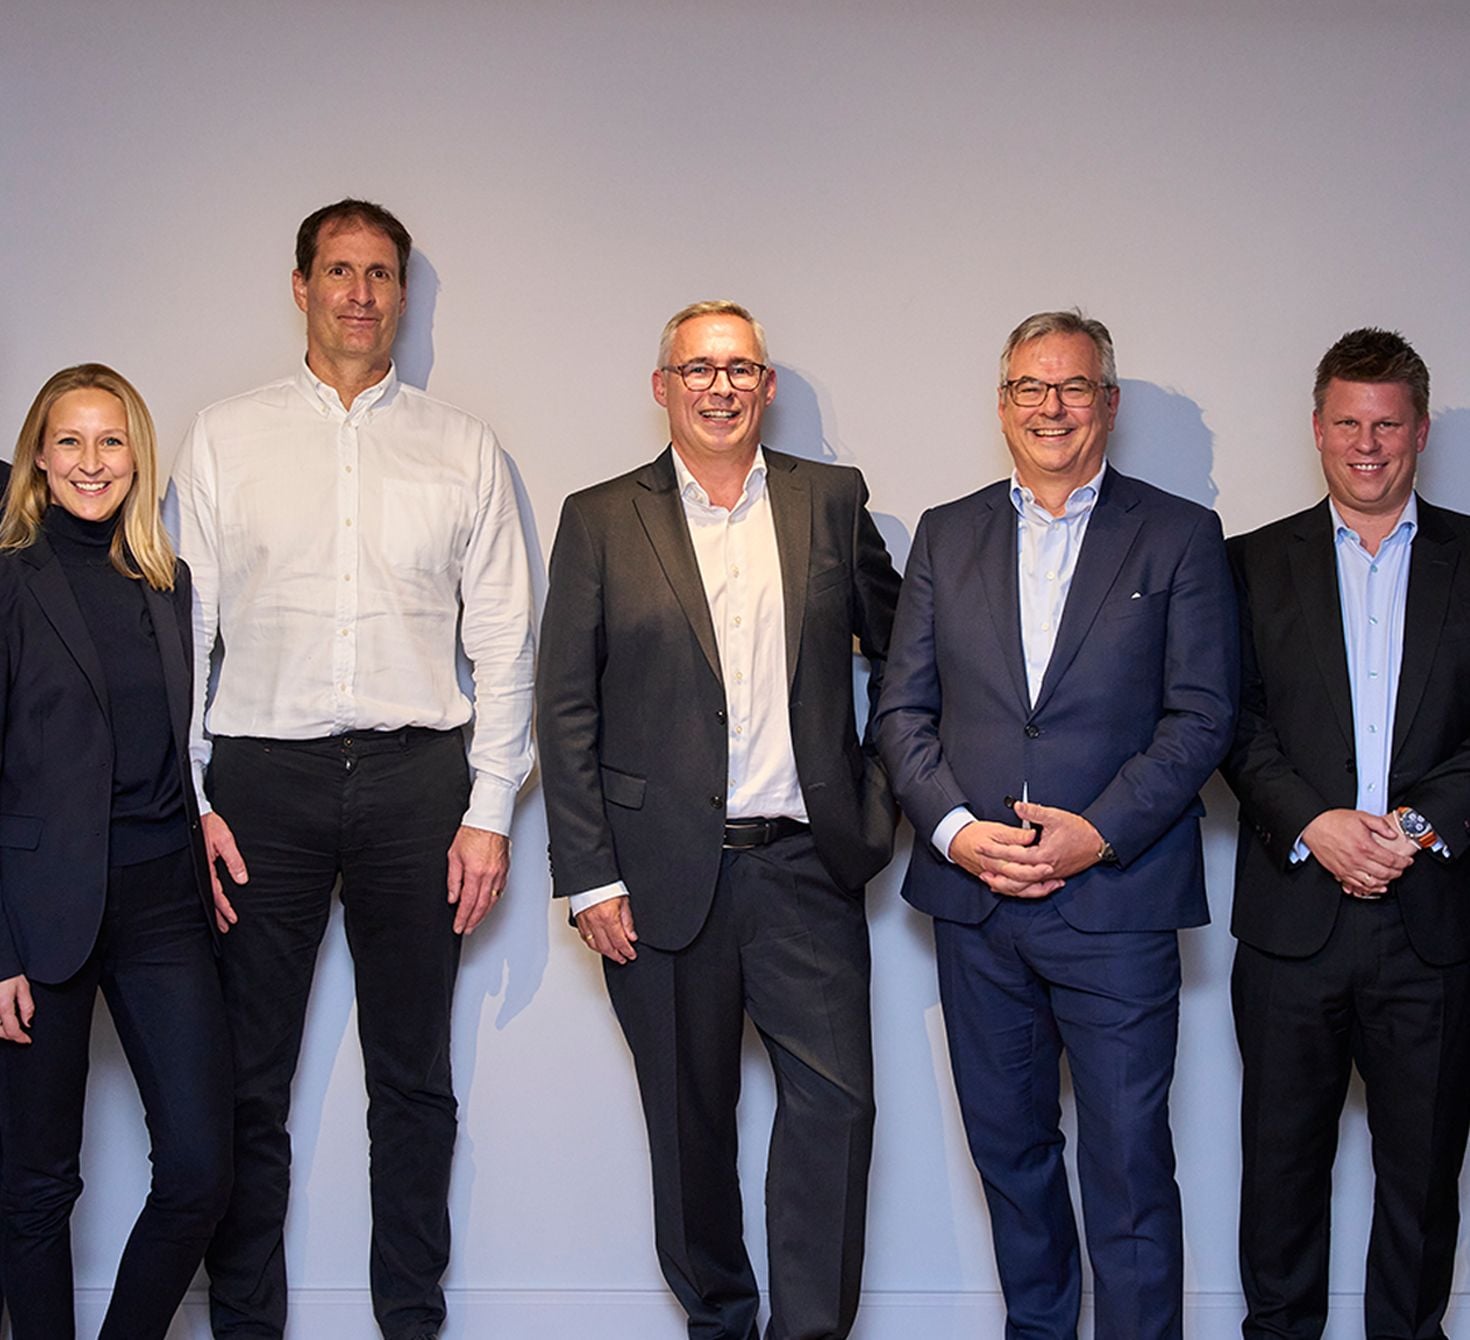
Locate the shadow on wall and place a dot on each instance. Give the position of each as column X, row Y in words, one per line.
column 1161, row 438
column 793, row 424
column 413, row 350
column 1443, row 478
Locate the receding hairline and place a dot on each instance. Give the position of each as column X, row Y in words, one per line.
column 710, row 307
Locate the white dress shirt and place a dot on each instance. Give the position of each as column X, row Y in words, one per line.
column 1047, row 547
column 740, row 568
column 344, row 556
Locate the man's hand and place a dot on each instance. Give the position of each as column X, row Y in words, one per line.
column 1069, row 843
column 1363, row 852
column 479, row 863
column 219, row 845
column 17, row 1009
column 1005, row 858
column 607, row 927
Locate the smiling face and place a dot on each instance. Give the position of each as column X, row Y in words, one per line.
column 352, row 298
column 720, row 426
column 1057, row 447
column 85, row 453
column 1370, row 438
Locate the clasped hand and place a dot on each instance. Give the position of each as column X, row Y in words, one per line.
column 1011, row 860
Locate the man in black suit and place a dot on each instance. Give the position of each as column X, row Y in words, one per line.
column 1352, row 902
column 714, row 817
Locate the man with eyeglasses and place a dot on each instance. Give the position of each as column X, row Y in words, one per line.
column 1352, row 900
column 714, row 817
column 1062, row 683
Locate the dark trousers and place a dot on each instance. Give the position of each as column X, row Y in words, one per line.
column 787, row 947
column 378, row 809
column 155, row 964
column 1017, row 990
column 1365, row 999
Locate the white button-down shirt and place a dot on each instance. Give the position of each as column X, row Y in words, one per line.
column 740, row 568
column 344, row 557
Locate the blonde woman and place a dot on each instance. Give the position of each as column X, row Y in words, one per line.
column 102, row 877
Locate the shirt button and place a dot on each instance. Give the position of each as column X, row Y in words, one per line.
column 735, row 571
column 1373, row 618
column 740, row 676
column 348, row 522
column 1051, row 576
column 739, row 730
column 737, row 621
column 1046, row 628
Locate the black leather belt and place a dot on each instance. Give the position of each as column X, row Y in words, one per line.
column 741, row 834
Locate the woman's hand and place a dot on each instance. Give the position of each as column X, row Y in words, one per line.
column 17, row 1009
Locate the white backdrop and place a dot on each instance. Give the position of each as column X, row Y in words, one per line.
column 1228, row 187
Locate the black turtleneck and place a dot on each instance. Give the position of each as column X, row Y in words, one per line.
column 147, row 792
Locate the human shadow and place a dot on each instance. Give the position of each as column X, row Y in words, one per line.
column 1162, row 438
column 1443, row 478
column 413, row 349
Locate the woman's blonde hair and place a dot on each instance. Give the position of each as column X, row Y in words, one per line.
column 140, row 548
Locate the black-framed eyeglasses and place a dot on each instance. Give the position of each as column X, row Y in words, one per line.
column 742, row 374
column 1075, row 392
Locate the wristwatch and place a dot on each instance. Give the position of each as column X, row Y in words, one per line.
column 1106, row 855
column 1416, row 827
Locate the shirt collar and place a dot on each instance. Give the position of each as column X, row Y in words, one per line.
column 1080, row 500
column 692, row 490
column 1408, row 525
column 379, row 395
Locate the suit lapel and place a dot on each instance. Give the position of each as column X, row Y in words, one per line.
column 1111, row 531
column 1313, row 560
column 1001, row 586
column 791, row 512
column 1432, row 564
column 175, row 671
column 53, row 593
column 662, row 514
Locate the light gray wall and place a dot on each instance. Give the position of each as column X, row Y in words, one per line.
column 891, row 189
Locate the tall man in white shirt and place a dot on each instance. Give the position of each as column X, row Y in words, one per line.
column 341, row 526
column 1352, row 890
column 714, row 817
column 1062, row 682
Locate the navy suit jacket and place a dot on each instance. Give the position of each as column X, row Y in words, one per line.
column 56, row 762
column 1294, row 753
column 1135, row 711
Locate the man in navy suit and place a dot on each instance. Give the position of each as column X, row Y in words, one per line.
column 1062, row 682
column 1352, row 899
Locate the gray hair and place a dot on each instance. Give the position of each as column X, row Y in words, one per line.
column 711, row 307
column 1071, row 322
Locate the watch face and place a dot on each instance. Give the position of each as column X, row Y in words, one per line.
column 1413, row 823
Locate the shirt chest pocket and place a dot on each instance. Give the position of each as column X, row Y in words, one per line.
column 423, row 525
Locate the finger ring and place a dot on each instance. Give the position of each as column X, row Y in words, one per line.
column 588, row 938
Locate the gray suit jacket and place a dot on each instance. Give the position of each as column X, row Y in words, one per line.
column 631, row 699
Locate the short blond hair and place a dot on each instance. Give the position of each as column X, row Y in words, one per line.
column 710, row 307
column 140, row 548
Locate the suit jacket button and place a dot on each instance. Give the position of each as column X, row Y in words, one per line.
column 716, row 801
column 1351, row 766
column 721, row 716
column 1032, row 730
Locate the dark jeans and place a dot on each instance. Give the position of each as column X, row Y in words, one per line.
column 155, row 965
column 380, row 810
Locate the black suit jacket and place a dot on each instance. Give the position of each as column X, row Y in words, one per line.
column 56, row 762
column 631, row 700
column 1294, row 757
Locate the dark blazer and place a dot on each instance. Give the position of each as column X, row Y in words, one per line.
column 1135, row 711
column 56, row 762
column 1293, row 755
column 631, row 702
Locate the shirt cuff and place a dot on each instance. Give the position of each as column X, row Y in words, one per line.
column 492, row 804
column 580, row 902
column 1300, row 852
column 948, row 827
